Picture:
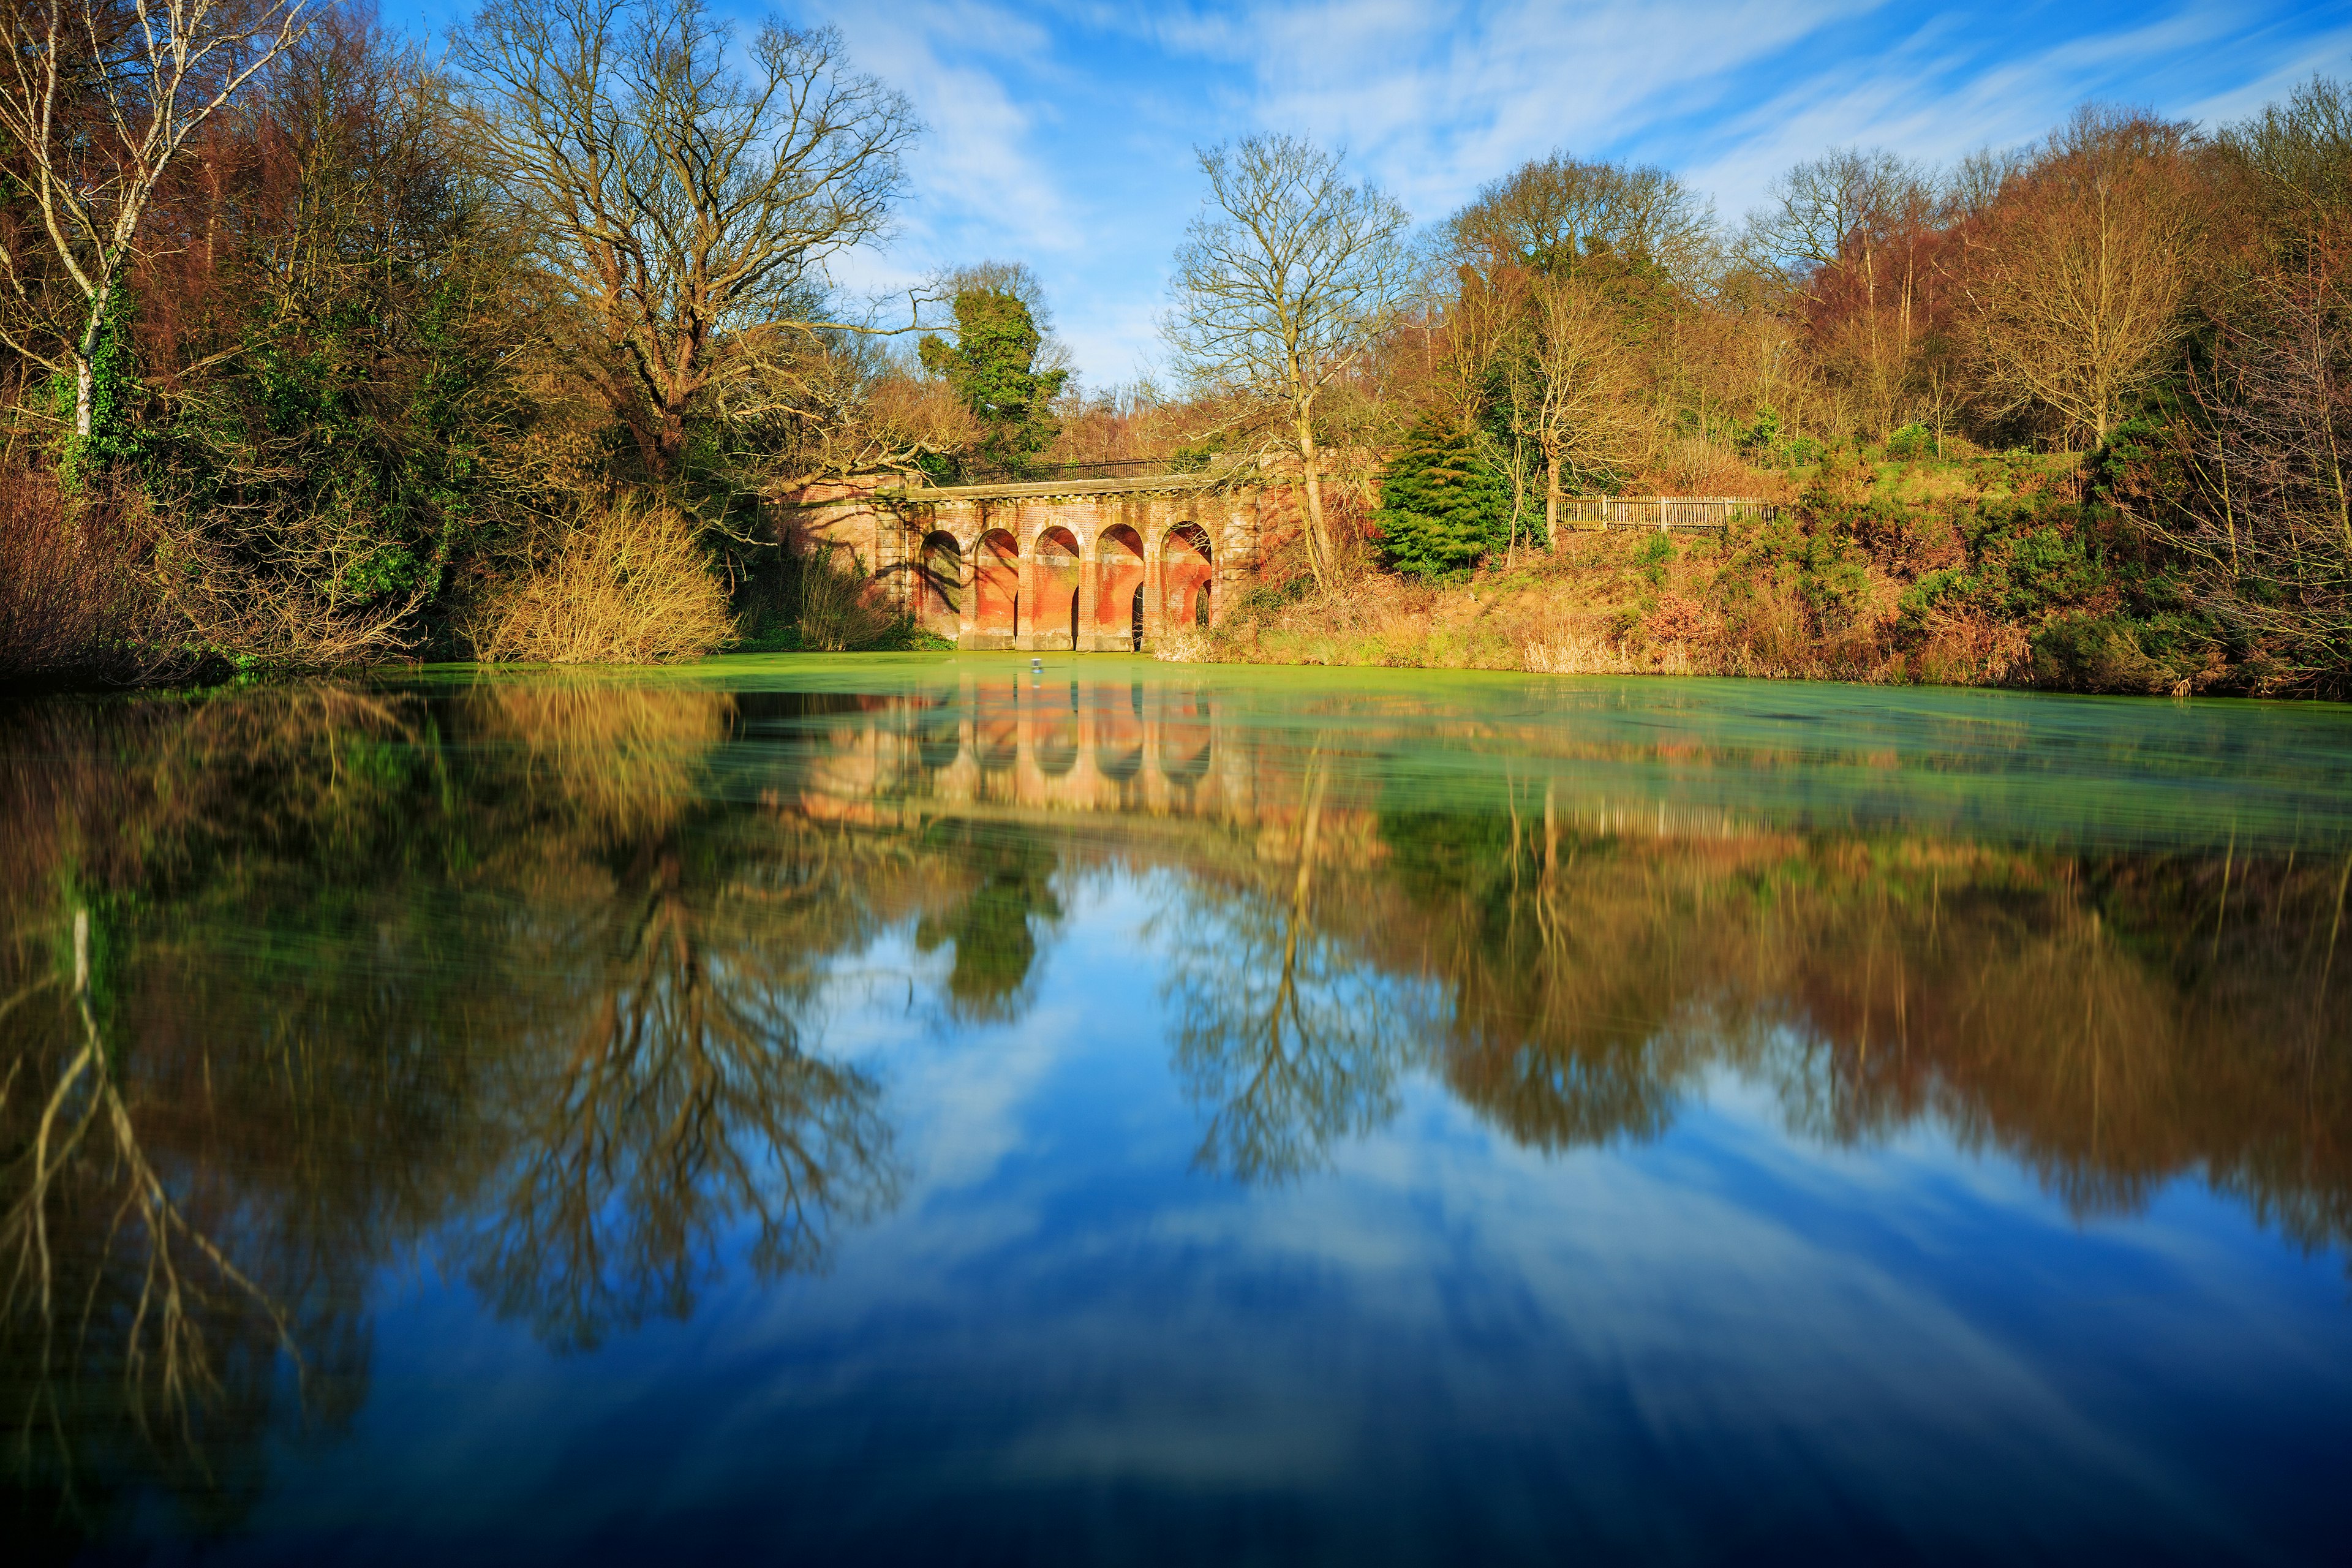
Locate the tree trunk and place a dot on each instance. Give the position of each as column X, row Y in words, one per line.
column 673, row 443
column 1552, row 497
column 83, row 376
column 85, row 364
column 1318, row 540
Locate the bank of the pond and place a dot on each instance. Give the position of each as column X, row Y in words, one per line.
column 2034, row 592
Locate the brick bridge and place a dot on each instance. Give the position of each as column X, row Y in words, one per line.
column 1095, row 566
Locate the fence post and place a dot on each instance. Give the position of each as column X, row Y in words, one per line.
column 1661, row 514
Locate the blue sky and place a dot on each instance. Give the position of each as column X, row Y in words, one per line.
column 1061, row 133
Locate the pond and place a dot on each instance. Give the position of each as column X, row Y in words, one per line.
column 921, row 1109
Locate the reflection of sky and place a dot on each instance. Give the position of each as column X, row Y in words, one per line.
column 1067, row 1342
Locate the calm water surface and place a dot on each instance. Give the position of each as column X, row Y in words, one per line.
column 910, row 1110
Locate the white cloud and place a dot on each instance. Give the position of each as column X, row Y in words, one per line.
column 1061, row 132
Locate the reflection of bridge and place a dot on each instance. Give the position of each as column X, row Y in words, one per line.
column 1014, row 744
column 1043, row 745
column 1094, row 566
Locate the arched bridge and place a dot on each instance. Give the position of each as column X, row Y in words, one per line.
column 1094, row 566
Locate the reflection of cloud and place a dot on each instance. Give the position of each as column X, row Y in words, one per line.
column 1731, row 1329
column 1267, row 1448
column 1728, row 1284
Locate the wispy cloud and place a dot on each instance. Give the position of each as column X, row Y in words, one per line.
column 1061, row 131
column 966, row 66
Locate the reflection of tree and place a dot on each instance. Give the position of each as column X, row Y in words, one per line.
column 332, row 953
column 994, row 927
column 678, row 1101
column 125, row 1321
column 1288, row 1037
column 1567, row 975
column 525, row 969
column 602, row 758
column 2109, row 1023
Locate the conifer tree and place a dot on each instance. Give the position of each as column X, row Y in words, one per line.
column 1442, row 505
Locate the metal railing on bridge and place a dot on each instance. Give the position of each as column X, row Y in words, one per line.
column 1658, row 513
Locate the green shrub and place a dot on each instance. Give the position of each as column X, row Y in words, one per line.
column 1442, row 505
column 1761, row 435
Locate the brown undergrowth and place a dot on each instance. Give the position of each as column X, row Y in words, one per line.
column 1617, row 604
column 1865, row 577
column 97, row 585
column 74, row 600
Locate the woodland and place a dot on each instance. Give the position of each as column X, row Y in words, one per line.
column 321, row 349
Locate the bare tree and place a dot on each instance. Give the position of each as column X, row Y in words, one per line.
column 2075, row 279
column 1848, row 227
column 100, row 101
column 679, row 199
column 1280, row 288
column 1570, row 389
column 1465, row 326
column 821, row 406
column 1973, row 185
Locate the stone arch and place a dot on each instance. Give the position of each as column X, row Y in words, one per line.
column 1186, row 740
column 939, row 589
column 1054, row 739
column 939, row 736
column 1053, row 619
column 996, row 587
column 1118, row 567
column 1187, row 571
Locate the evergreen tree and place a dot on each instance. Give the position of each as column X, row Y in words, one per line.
column 1442, row 505
column 993, row 368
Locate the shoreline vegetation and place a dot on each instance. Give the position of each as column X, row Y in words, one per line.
column 360, row 352
column 1945, row 574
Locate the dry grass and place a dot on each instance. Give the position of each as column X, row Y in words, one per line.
column 1184, row 644
column 624, row 583
column 1589, row 650
column 1597, row 606
column 1693, row 466
column 837, row 606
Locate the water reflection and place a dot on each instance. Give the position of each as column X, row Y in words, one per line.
column 1286, row 1036
column 991, row 931
column 532, row 976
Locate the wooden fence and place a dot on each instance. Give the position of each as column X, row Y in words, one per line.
column 1659, row 513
